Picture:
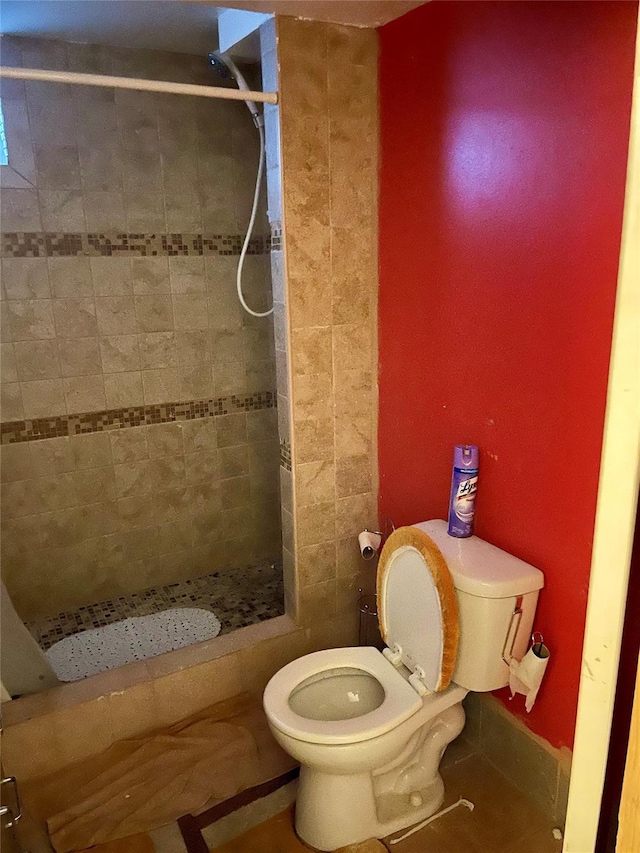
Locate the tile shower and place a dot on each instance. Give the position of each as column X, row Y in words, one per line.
column 140, row 451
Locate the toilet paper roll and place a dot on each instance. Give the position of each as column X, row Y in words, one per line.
column 369, row 544
column 526, row 675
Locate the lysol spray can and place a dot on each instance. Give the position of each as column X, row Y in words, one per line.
column 464, row 485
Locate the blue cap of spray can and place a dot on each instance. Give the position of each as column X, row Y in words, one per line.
column 464, row 486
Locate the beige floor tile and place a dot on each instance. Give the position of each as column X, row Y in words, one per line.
column 248, row 817
column 503, row 820
column 168, row 839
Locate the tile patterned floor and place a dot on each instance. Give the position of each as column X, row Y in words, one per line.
column 238, row 597
column 504, row 820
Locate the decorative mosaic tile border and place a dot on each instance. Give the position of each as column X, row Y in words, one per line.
column 78, row 424
column 285, row 454
column 50, row 244
column 276, row 236
column 239, row 597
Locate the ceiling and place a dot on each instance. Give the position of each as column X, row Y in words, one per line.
column 173, row 25
column 180, row 26
column 358, row 13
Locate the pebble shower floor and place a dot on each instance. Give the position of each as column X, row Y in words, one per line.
column 238, row 597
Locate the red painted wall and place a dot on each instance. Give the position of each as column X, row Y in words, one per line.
column 503, row 156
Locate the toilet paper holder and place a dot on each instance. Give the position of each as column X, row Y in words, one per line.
column 370, row 542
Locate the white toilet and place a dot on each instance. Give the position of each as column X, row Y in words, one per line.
column 369, row 728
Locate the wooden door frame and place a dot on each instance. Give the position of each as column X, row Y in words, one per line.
column 614, row 527
column 629, row 820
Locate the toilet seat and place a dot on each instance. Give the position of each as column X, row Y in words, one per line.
column 400, row 700
column 418, row 607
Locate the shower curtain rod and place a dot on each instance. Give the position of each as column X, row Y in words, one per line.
column 137, row 84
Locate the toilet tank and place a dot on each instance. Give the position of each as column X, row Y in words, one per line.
column 497, row 598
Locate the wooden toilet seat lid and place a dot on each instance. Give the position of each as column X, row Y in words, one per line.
column 418, row 606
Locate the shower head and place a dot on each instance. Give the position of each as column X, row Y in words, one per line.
column 227, row 69
column 219, row 65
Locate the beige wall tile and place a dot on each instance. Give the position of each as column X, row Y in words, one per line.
column 354, row 434
column 43, row 398
column 311, row 350
column 154, row 313
column 183, row 693
column 11, row 408
column 355, row 513
column 195, row 382
column 15, row 462
column 318, row 602
column 30, row 320
column 316, row 523
column 175, row 536
column 353, row 475
column 61, row 528
column 227, row 345
column 160, row 386
column 104, row 211
column 313, row 396
column 129, row 445
column 193, row 347
column 116, row 315
column 111, row 276
column 308, row 258
column 133, row 478
column 235, row 491
column 150, row 275
column 19, row 499
column 70, row 277
column 133, row 711
column 20, row 210
column 231, row 429
column 353, row 276
column 138, row 511
column 202, row 467
column 349, row 560
column 84, row 393
column 120, row 353
column 25, row 278
column 199, row 435
column 49, row 456
column 92, row 450
column 95, row 484
column 36, row 360
column 157, row 350
column 315, row 482
column 229, row 378
column 123, row 389
column 19, row 536
column 165, row 440
column 8, row 367
column 316, row 563
column 190, row 311
column 313, row 439
column 187, row 274
column 62, row 210
column 57, row 492
column 75, row 318
column 79, row 356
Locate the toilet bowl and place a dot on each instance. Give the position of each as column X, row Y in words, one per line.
column 369, row 728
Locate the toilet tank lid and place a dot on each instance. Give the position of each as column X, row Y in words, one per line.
column 481, row 569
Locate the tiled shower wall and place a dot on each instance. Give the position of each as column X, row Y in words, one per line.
column 326, row 327
column 139, row 434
